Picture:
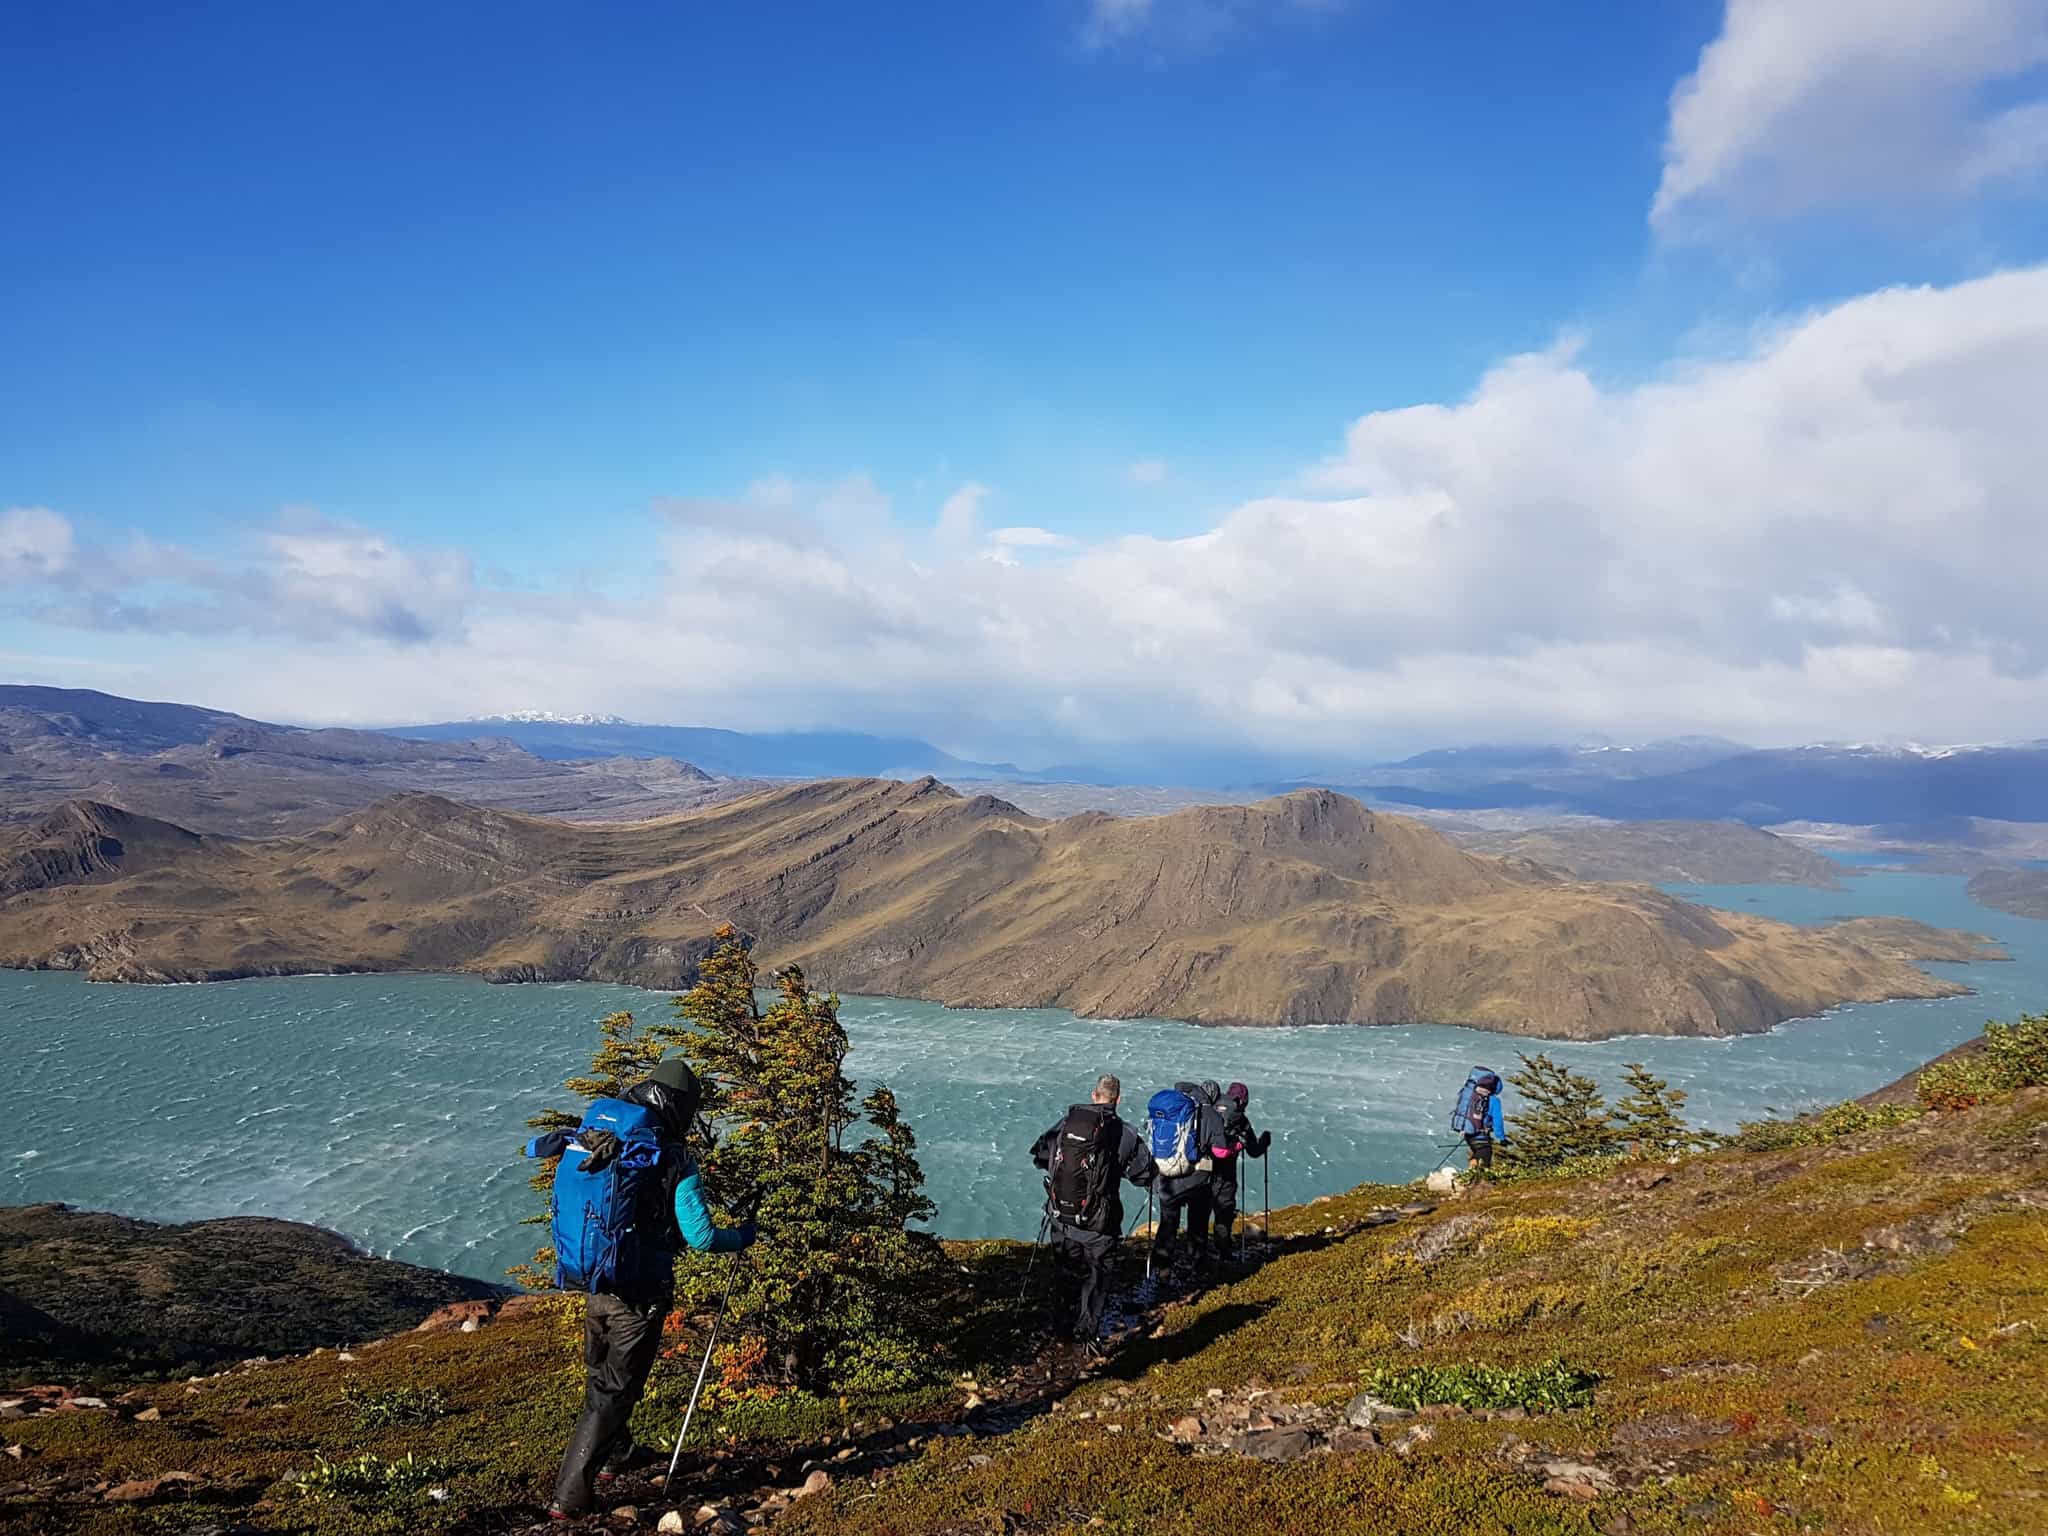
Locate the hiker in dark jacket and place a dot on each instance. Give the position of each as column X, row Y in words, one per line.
column 1239, row 1141
column 1190, row 1192
column 622, row 1333
column 1087, row 1157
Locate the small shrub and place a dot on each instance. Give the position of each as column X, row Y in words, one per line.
column 369, row 1479
column 1831, row 1124
column 402, row 1405
column 1552, row 1387
column 2014, row 1056
column 1589, row 1166
column 1953, row 1085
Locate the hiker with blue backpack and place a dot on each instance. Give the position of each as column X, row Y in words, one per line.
column 1086, row 1158
column 1183, row 1123
column 627, row 1200
column 1477, row 1117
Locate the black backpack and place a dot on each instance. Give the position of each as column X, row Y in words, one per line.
column 1083, row 1165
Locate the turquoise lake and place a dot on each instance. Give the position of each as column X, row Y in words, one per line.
column 391, row 1109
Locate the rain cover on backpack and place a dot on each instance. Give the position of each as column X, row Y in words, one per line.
column 1469, row 1114
column 608, row 1234
column 1170, row 1119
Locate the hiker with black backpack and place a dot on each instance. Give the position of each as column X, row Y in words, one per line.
column 1238, row 1142
column 1086, row 1157
column 627, row 1200
column 1477, row 1117
column 1184, row 1122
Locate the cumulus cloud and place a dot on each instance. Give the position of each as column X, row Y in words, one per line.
column 1835, row 533
column 1804, row 105
column 35, row 544
column 306, row 577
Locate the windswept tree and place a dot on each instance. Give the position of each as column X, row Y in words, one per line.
column 1650, row 1116
column 1559, row 1115
column 830, row 1297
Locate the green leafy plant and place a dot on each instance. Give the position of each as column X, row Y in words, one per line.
column 369, row 1479
column 1552, row 1387
column 401, row 1405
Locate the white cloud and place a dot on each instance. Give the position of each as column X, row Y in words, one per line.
column 1004, row 543
column 1111, row 21
column 1837, row 533
column 35, row 544
column 1147, row 472
column 959, row 521
column 1804, row 105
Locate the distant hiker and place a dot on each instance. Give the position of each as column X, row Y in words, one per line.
column 1238, row 1142
column 1184, row 1122
column 1086, row 1157
column 627, row 1198
column 1477, row 1117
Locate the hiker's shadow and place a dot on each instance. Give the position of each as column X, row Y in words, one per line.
column 1140, row 1355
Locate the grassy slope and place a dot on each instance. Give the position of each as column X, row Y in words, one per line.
column 1899, row 1393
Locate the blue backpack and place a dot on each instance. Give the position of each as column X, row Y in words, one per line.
column 611, row 1229
column 1469, row 1116
column 1170, row 1118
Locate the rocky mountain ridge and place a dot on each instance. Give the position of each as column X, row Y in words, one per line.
column 1307, row 908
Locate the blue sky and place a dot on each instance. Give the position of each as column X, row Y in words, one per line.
column 348, row 346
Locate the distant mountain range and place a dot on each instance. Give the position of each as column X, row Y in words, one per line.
column 1704, row 780
column 218, row 772
column 213, row 770
column 732, row 754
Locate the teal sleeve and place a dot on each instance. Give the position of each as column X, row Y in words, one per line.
column 693, row 1218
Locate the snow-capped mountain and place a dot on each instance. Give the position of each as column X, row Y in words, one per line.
column 545, row 717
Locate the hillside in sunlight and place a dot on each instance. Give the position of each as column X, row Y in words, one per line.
column 1841, row 1325
column 1307, row 908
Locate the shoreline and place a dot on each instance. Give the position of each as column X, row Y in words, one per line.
column 1960, row 989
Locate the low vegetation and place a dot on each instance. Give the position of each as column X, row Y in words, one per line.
column 1552, row 1387
column 400, row 1405
column 369, row 1479
column 1838, row 1328
column 2013, row 1056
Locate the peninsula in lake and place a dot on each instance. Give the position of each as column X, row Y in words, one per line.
column 1302, row 909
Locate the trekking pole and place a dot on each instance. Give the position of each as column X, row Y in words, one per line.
column 1151, row 1237
column 732, row 1274
column 1044, row 1223
column 1266, row 1224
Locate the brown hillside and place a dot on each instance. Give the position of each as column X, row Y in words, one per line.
column 1303, row 909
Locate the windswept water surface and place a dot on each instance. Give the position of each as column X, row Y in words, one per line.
column 391, row 1108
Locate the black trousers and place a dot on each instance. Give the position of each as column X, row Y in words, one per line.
column 1481, row 1149
column 1223, row 1202
column 1195, row 1201
column 1090, row 1253
column 620, row 1340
